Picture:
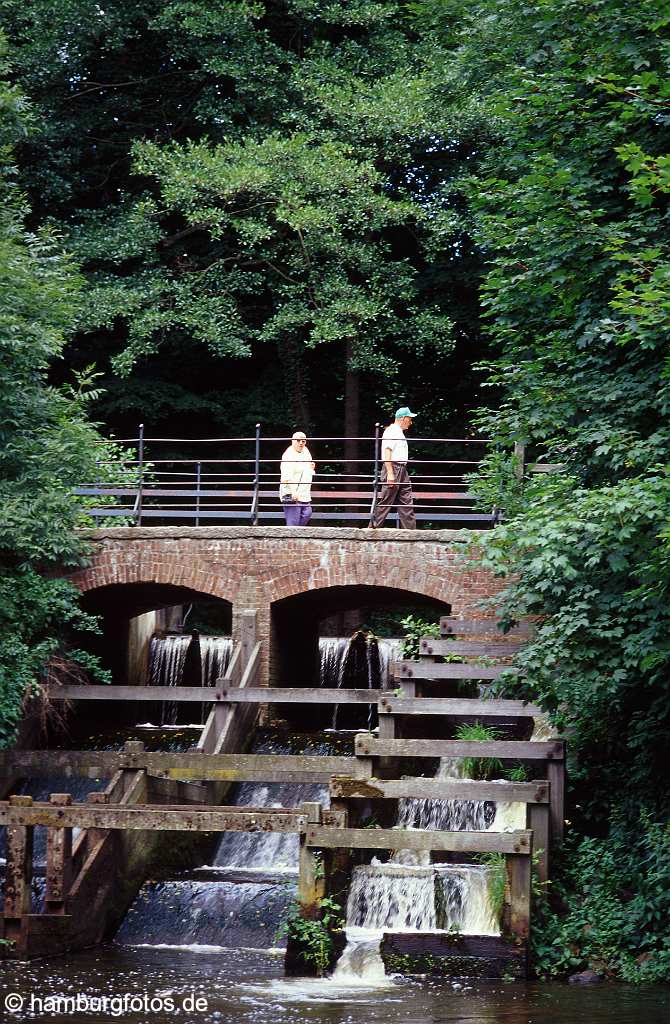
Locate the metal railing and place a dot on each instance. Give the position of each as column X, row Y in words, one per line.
column 201, row 481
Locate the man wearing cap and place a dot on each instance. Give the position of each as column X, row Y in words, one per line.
column 396, row 486
column 295, row 488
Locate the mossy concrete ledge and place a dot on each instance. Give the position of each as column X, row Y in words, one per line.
column 449, row 955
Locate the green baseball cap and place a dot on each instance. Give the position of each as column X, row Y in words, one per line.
column 404, row 410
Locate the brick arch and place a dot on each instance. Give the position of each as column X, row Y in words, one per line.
column 443, row 587
column 172, row 573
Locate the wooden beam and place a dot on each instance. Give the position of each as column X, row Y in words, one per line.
column 177, row 694
column 389, row 705
column 172, row 819
column 433, row 647
column 451, row 626
column 188, row 765
column 342, row 787
column 401, row 839
column 218, row 694
column 433, row 670
column 551, row 750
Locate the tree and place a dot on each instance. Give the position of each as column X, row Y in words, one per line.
column 567, row 204
column 47, row 446
column 341, row 83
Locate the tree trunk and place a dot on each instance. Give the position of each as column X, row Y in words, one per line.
column 352, row 420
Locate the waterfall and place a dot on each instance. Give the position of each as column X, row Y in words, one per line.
column 238, row 900
column 410, row 893
column 215, row 655
column 361, row 661
column 390, row 650
column 167, row 662
column 463, row 902
column 391, row 897
column 335, row 655
column 167, row 657
column 447, row 815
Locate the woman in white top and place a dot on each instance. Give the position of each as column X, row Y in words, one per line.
column 295, row 488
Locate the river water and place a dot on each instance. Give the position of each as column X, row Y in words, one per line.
column 248, row 987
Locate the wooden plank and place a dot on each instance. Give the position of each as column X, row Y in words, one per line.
column 433, row 670
column 300, row 695
column 537, row 792
column 218, row 694
column 402, row 839
column 246, row 775
column 177, row 694
column 435, row 647
column 523, row 750
column 389, row 705
column 451, row 626
column 179, row 819
column 188, row 765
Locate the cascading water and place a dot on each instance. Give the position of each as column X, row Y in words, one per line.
column 220, row 904
column 357, row 662
column 167, row 662
column 411, row 894
column 167, row 657
column 215, row 654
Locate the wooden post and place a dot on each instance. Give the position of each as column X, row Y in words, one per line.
column 556, row 778
column 537, row 819
column 59, row 861
column 518, row 910
column 96, row 834
column 386, row 727
column 311, row 882
column 18, row 872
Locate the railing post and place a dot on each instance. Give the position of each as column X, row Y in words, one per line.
column 375, row 481
column 257, row 477
column 197, row 493
column 140, row 475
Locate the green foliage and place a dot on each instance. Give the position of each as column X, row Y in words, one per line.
column 313, row 936
column 47, row 446
column 567, row 201
column 247, row 179
column 615, row 901
column 414, row 629
column 496, row 865
column 479, row 767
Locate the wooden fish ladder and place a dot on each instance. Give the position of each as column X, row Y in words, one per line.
column 139, row 802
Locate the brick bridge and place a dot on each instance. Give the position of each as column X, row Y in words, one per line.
column 290, row 577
